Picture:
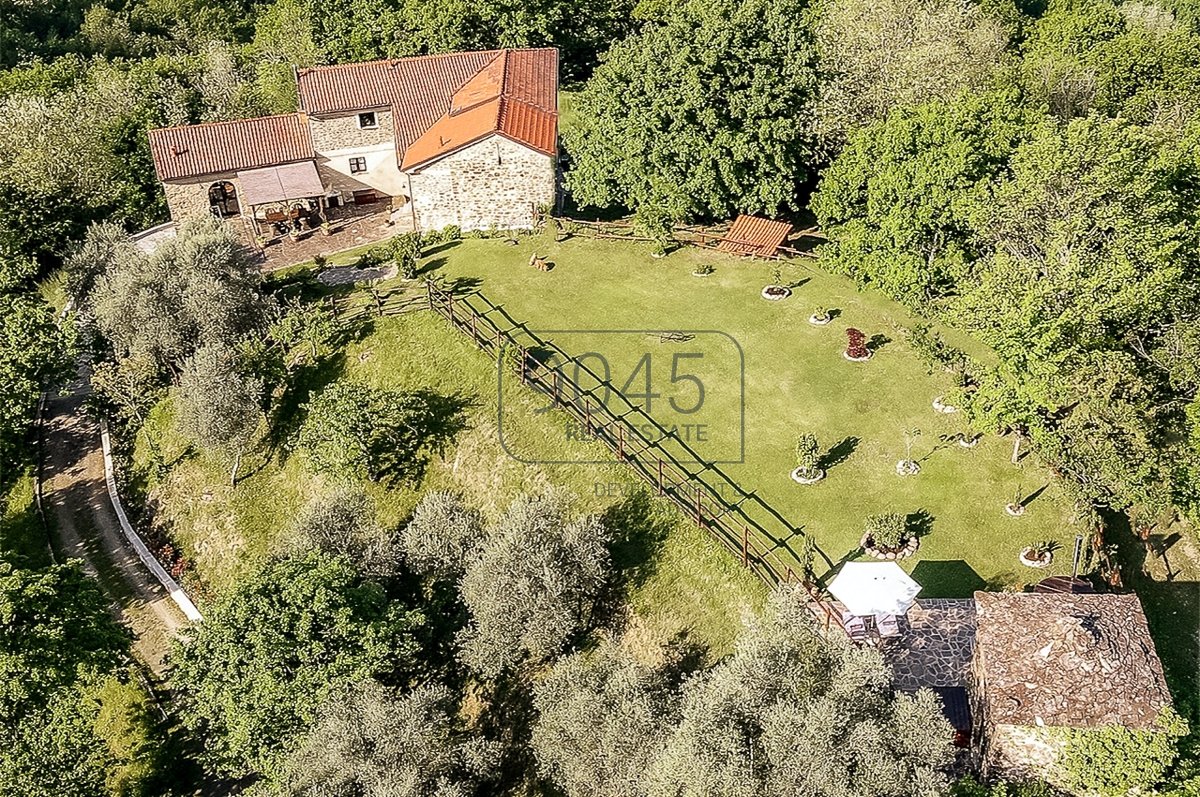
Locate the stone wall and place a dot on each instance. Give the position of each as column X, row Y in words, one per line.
column 189, row 198
column 493, row 183
column 1018, row 752
column 342, row 132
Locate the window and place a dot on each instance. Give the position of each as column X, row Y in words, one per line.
column 358, row 165
column 366, row 120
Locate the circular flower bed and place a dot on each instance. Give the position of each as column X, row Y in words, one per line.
column 906, row 550
column 1014, row 509
column 968, row 442
column 819, row 321
column 807, row 476
column 775, row 293
column 1031, row 558
column 907, row 467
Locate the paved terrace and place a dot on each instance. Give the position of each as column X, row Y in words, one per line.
column 937, row 638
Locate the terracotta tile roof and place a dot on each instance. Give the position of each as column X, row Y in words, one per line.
column 446, row 92
column 751, row 235
column 195, row 150
column 1076, row 661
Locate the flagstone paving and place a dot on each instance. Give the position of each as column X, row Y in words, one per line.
column 936, row 641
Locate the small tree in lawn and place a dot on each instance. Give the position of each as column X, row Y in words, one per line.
column 808, row 457
column 219, row 404
column 909, row 466
column 351, row 430
column 856, row 345
column 887, row 532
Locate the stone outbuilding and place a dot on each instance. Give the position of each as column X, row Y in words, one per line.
column 1044, row 662
column 464, row 139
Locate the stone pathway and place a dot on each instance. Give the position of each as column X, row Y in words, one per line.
column 935, row 644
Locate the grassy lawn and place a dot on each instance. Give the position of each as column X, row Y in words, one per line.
column 678, row 580
column 795, row 381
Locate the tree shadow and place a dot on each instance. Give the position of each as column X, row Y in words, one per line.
column 639, row 526
column 1029, row 499
column 947, row 578
column 833, row 313
column 441, row 418
column 444, row 246
column 878, row 341
column 800, row 283
column 839, row 453
column 919, row 523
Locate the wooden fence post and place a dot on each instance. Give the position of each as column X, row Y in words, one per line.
column 620, row 441
column 660, row 476
column 523, row 376
column 745, row 547
column 699, row 511
column 429, row 293
column 587, row 411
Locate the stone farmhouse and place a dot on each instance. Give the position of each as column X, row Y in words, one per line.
column 466, row 139
column 1045, row 662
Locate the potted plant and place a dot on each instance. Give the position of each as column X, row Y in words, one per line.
column 776, row 290
column 1015, row 507
column 1038, row 554
column 808, row 459
column 820, row 317
column 326, row 228
column 909, row 466
column 887, row 536
column 856, row 346
column 261, row 241
column 703, row 270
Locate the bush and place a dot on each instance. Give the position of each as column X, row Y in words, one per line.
column 888, row 531
column 1115, row 760
column 856, row 345
column 808, row 454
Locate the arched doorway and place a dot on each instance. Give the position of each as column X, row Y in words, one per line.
column 222, row 200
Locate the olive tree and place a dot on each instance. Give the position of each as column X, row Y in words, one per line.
column 791, row 712
column 199, row 288
column 371, row 742
column 219, row 403
column 346, row 523
column 443, row 534
column 532, row 585
column 603, row 718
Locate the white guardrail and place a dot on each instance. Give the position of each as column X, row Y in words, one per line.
column 169, row 584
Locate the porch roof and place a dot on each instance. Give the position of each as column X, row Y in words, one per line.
column 280, row 183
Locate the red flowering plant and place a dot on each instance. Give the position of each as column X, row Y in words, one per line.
column 856, row 346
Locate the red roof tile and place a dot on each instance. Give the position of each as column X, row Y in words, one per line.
column 751, row 235
column 439, row 103
column 195, row 150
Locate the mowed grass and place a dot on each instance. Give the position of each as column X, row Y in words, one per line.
column 795, row 381
column 677, row 580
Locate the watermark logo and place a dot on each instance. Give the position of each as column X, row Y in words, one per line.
column 643, row 394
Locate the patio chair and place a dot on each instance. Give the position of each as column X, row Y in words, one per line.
column 888, row 625
column 855, row 626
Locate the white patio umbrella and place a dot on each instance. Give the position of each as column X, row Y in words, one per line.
column 867, row 588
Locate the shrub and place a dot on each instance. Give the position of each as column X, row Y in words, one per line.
column 888, row 531
column 406, row 251
column 707, row 268
column 1114, row 760
column 856, row 345
column 808, row 454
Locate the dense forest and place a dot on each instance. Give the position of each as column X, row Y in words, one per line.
column 1026, row 171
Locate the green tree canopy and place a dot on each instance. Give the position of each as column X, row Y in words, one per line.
column 703, row 114
column 253, row 674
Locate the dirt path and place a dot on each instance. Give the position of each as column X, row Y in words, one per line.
column 85, row 527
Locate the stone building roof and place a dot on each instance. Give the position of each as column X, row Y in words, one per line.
column 217, row 147
column 439, row 103
column 1067, row 660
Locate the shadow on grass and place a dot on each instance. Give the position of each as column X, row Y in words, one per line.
column 839, row 453
column 288, row 413
column 919, row 523
column 947, row 578
column 442, row 417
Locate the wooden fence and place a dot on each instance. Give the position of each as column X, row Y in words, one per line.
column 705, row 237
column 742, row 522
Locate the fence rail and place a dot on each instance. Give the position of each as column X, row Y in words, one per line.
column 746, row 526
